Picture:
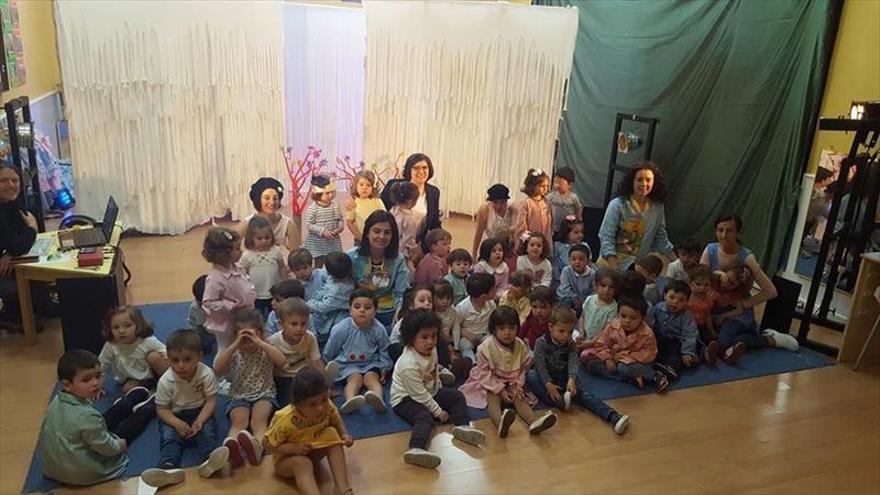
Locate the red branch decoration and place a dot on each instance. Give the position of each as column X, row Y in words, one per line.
column 301, row 172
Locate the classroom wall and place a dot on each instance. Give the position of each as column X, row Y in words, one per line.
column 41, row 57
column 854, row 74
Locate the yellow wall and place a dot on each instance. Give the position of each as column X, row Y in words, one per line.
column 854, row 74
column 40, row 54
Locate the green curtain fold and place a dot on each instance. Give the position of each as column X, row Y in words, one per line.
column 737, row 87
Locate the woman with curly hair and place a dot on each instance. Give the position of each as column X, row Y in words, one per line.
column 635, row 220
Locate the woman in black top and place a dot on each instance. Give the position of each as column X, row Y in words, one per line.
column 418, row 169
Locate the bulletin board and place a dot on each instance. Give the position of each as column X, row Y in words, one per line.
column 13, row 73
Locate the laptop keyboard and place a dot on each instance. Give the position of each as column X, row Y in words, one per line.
column 89, row 236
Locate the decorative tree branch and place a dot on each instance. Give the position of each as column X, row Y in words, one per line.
column 301, row 172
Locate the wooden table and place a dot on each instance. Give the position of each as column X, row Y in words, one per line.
column 860, row 338
column 62, row 264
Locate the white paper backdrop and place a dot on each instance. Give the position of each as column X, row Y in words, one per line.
column 479, row 87
column 324, row 50
column 175, row 107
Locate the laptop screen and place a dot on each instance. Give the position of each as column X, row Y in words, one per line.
column 110, row 215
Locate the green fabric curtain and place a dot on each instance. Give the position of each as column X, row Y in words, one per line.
column 736, row 86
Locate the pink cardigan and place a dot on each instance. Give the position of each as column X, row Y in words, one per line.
column 628, row 348
column 534, row 216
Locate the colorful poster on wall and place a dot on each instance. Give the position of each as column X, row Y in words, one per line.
column 13, row 48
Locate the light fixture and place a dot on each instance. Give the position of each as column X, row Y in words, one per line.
column 627, row 141
column 25, row 131
column 63, row 199
column 860, row 110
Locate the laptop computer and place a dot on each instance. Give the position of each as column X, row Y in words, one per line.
column 93, row 236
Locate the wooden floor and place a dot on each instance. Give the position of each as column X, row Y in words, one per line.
column 811, row 432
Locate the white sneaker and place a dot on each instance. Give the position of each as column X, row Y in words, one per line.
column 508, row 416
column 422, row 458
column 566, row 400
column 783, row 340
column 375, row 401
column 469, row 435
column 157, row 478
column 331, row 371
column 353, row 404
column 543, row 423
column 621, row 425
column 218, row 460
column 446, row 377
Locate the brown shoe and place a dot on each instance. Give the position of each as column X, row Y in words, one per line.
column 733, row 353
column 710, row 353
column 662, row 382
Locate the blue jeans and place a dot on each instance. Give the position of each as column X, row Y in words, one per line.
column 625, row 372
column 592, row 403
column 736, row 330
column 171, row 444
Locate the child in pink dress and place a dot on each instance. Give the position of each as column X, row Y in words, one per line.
column 534, row 210
column 409, row 222
column 227, row 288
column 498, row 379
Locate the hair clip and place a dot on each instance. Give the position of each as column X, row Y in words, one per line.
column 570, row 218
column 536, row 172
column 525, row 236
column 227, row 234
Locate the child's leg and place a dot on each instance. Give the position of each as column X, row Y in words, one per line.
column 260, row 414
column 420, row 418
column 336, row 458
column 630, row 372
column 453, row 402
column 238, row 420
column 494, row 407
column 525, row 411
column 353, row 385
column 134, row 422
column 206, row 438
column 536, row 384
column 301, row 469
column 596, row 405
column 170, row 443
column 733, row 331
column 598, row 368
column 129, row 384
column 371, row 382
column 157, row 363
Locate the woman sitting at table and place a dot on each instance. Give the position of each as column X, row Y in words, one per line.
column 18, row 231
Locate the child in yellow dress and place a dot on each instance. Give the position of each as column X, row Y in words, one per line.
column 310, row 428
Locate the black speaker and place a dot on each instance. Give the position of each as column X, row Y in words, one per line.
column 84, row 302
column 779, row 312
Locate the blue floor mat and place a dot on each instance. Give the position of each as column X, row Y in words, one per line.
column 144, row 452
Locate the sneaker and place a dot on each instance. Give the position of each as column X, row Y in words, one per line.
column 157, row 478
column 353, row 404
column 661, row 381
column 782, row 340
column 236, row 457
column 469, row 435
column 710, row 353
column 640, row 382
column 667, row 370
column 331, row 371
column 217, row 460
column 422, row 458
column 621, row 424
column 375, row 401
column 446, row 377
column 508, row 416
column 150, row 401
column 733, row 353
column 566, row 400
column 545, row 422
column 253, row 450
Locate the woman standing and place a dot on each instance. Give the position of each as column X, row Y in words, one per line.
column 266, row 194
column 635, row 221
column 418, row 169
column 378, row 266
column 495, row 218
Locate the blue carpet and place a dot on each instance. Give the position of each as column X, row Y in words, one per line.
column 144, row 452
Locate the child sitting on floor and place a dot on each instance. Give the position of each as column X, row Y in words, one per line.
column 459, row 261
column 651, row 267
column 77, row 445
column 499, row 377
column 576, row 280
column 131, row 352
column 417, row 297
column 185, row 401
column 248, row 365
column 473, row 314
column 417, row 394
column 433, row 266
column 534, row 257
column 359, row 344
column 195, row 316
column 541, row 299
column 599, row 308
column 298, row 345
column 626, row 348
column 307, row 430
column 554, row 377
column 281, row 291
column 300, row 262
column 700, row 305
column 518, row 294
column 228, row 287
column 675, row 331
column 329, row 305
column 570, row 235
column 492, row 263
column 262, row 261
column 688, row 253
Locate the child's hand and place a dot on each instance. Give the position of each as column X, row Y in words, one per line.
column 123, row 445
column 506, row 395
column 195, row 428
column 611, row 365
column 687, row 360
column 348, row 439
column 571, row 387
column 383, row 377
column 443, row 417
column 182, row 429
column 349, row 205
column 585, row 344
column 553, row 392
